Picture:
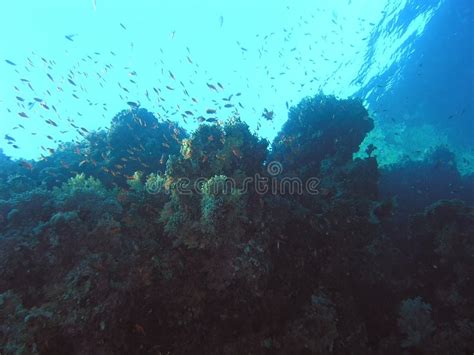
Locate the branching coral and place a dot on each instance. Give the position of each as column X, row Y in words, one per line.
column 212, row 157
column 136, row 183
column 222, row 206
column 87, row 196
column 156, row 183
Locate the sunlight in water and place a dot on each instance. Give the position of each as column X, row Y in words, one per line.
column 84, row 61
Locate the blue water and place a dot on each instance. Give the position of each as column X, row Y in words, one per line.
column 410, row 61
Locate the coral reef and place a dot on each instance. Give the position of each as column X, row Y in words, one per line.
column 137, row 141
column 143, row 239
column 319, row 128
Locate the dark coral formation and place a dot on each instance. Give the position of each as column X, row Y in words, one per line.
column 435, row 178
column 321, row 128
column 142, row 240
column 136, row 141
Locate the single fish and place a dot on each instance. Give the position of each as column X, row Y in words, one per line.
column 212, row 87
column 133, row 105
column 236, row 152
column 71, row 37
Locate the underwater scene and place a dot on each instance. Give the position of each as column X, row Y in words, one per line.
column 257, row 177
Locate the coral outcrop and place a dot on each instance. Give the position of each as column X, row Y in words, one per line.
column 144, row 239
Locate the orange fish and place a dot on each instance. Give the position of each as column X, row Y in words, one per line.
column 236, row 152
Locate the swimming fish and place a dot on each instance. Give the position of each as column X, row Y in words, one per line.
column 267, row 114
column 133, row 105
column 71, row 37
column 212, row 87
column 51, row 122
